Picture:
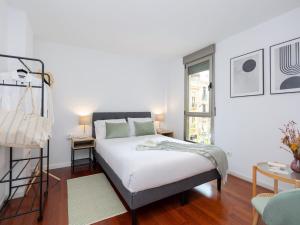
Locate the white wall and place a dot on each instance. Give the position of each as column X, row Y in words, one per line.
column 3, row 67
column 3, row 25
column 16, row 39
column 20, row 41
column 175, row 98
column 247, row 127
column 88, row 81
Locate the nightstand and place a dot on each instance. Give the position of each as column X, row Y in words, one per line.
column 78, row 144
column 167, row 133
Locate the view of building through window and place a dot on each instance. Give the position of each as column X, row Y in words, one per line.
column 198, row 92
column 199, row 128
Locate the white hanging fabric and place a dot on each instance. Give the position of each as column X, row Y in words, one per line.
column 22, row 130
column 10, row 96
column 49, row 106
column 48, row 100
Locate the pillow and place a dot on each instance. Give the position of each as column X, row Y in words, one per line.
column 144, row 128
column 116, row 130
column 100, row 127
column 131, row 123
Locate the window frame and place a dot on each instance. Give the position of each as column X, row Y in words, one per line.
column 212, row 109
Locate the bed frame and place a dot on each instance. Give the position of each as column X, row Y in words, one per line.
column 139, row 199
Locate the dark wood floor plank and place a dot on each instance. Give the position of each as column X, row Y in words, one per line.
column 206, row 205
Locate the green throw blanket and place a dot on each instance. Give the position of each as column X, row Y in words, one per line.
column 213, row 153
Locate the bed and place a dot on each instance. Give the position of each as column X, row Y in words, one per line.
column 163, row 174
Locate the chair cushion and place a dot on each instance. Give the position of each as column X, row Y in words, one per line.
column 283, row 209
column 260, row 202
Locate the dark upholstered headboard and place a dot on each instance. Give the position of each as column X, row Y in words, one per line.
column 116, row 115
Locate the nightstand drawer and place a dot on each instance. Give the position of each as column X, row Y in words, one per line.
column 83, row 143
column 167, row 133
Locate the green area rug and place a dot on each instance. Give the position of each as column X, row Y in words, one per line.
column 92, row 199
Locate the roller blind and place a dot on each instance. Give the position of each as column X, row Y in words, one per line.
column 209, row 50
column 198, row 67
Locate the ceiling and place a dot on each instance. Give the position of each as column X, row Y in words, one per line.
column 166, row 28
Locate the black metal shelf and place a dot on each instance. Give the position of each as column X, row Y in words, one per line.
column 83, row 162
column 18, row 203
column 14, row 188
column 9, row 177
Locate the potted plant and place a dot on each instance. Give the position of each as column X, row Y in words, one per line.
column 291, row 139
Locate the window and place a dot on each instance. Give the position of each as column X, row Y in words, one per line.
column 199, row 101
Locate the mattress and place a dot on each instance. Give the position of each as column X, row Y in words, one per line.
column 142, row 170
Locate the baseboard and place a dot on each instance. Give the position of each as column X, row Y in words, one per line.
column 3, row 197
column 59, row 165
column 249, row 179
column 19, row 193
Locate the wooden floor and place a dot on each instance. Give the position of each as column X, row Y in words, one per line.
column 206, row 205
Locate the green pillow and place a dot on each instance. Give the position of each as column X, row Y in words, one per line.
column 116, row 130
column 144, row 128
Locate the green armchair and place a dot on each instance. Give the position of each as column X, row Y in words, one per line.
column 280, row 209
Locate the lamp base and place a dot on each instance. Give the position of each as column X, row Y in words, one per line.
column 159, row 129
column 84, row 133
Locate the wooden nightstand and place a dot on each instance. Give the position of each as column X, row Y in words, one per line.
column 167, row 133
column 82, row 144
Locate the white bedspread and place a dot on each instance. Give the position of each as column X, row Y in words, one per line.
column 141, row 170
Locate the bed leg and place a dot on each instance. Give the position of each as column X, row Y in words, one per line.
column 184, row 198
column 219, row 184
column 133, row 217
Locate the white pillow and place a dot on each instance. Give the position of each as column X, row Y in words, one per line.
column 131, row 124
column 100, row 127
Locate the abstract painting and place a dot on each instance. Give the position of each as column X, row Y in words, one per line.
column 247, row 74
column 285, row 67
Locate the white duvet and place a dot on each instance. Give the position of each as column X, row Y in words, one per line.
column 141, row 170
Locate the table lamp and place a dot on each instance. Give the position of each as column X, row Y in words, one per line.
column 84, row 120
column 159, row 118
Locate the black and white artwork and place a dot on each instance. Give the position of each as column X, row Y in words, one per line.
column 247, row 74
column 285, row 67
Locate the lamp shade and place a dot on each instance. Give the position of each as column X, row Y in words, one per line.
column 159, row 117
column 84, row 120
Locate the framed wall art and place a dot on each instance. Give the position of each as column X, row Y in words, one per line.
column 285, row 67
column 247, row 74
